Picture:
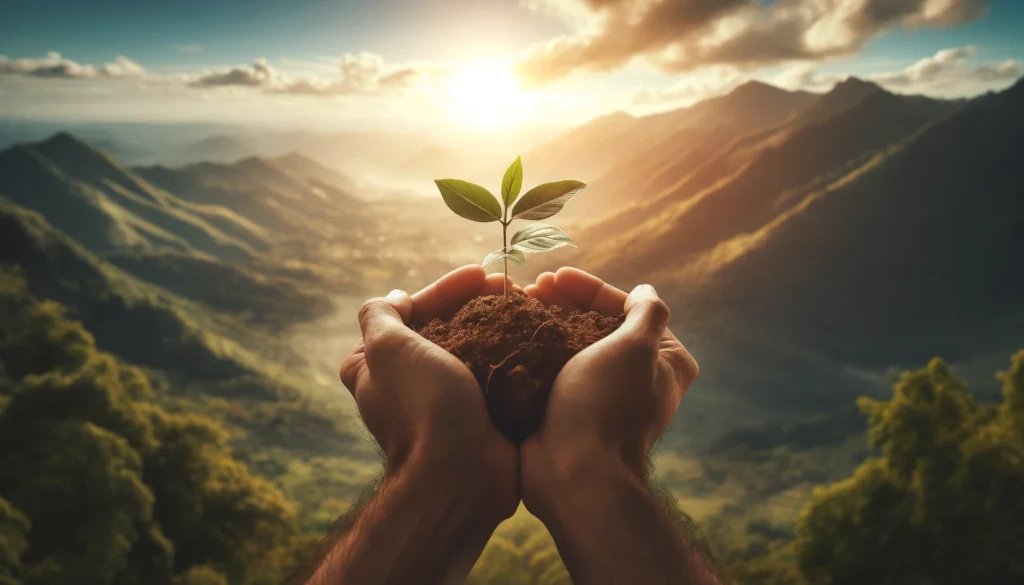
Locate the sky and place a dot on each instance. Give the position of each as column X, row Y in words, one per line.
column 477, row 65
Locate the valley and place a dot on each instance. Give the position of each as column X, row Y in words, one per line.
column 811, row 246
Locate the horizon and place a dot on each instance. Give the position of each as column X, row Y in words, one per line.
column 474, row 69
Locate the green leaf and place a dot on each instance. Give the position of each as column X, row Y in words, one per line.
column 472, row 202
column 540, row 237
column 545, row 200
column 514, row 256
column 512, row 182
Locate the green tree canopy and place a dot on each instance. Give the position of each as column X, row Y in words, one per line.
column 99, row 485
column 941, row 505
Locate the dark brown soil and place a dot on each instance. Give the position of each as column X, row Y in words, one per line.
column 515, row 348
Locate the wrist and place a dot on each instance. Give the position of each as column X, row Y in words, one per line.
column 480, row 477
column 556, row 477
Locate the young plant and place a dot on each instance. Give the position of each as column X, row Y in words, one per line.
column 475, row 203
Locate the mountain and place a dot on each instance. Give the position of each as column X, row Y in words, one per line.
column 307, row 169
column 629, row 159
column 290, row 199
column 761, row 173
column 216, row 148
column 583, row 152
column 843, row 96
column 885, row 235
column 91, row 197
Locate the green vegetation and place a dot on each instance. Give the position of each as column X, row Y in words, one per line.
column 941, row 504
column 476, row 203
column 99, row 484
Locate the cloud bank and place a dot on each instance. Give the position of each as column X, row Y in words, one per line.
column 946, row 69
column 683, row 35
column 358, row 74
column 55, row 66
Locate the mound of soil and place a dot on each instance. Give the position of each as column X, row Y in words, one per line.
column 515, row 347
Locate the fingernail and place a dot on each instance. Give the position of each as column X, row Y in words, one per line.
column 396, row 293
column 646, row 289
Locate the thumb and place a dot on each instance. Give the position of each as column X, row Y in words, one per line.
column 646, row 314
column 381, row 317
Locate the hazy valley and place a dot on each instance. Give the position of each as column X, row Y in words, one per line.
column 811, row 246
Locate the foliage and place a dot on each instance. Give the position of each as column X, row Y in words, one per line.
column 476, row 203
column 100, row 485
column 941, row 505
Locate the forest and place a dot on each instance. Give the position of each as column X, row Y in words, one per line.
column 103, row 484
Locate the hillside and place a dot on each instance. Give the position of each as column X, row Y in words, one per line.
column 913, row 252
column 775, row 178
column 636, row 144
column 849, row 257
column 107, row 207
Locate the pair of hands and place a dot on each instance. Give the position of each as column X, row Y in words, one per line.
column 607, row 408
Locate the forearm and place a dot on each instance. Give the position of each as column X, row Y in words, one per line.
column 611, row 527
column 427, row 523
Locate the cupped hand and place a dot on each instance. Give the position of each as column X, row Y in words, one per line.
column 612, row 401
column 420, row 402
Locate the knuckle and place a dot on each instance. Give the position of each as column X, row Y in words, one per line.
column 385, row 346
column 683, row 365
column 372, row 307
column 659, row 311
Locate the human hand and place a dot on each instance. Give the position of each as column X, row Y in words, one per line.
column 423, row 405
column 612, row 401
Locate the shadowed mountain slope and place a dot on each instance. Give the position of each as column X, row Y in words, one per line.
column 107, row 207
column 716, row 203
column 590, row 151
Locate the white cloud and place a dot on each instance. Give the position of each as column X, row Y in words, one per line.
column 684, row 35
column 362, row 74
column 55, row 66
column 357, row 74
column 692, row 87
column 946, row 72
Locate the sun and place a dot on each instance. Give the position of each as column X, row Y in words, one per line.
column 485, row 96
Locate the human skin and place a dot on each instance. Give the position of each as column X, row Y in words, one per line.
column 450, row 476
column 585, row 473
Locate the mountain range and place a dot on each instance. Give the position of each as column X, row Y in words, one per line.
column 807, row 243
column 865, row 231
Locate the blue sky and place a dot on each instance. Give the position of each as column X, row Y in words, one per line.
column 488, row 63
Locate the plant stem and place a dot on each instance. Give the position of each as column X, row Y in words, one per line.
column 504, row 248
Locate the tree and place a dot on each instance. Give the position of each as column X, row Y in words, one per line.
column 115, row 489
column 941, row 505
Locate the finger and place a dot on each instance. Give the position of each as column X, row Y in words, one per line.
column 402, row 302
column 546, row 292
column 589, row 292
column 352, row 367
column 379, row 320
column 448, row 293
column 646, row 315
column 494, row 284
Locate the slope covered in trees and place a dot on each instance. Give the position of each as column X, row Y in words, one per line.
column 940, row 504
column 99, row 484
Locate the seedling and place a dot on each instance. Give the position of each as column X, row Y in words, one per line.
column 475, row 203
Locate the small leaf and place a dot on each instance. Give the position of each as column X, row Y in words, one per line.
column 472, row 202
column 545, row 200
column 514, row 256
column 512, row 183
column 540, row 237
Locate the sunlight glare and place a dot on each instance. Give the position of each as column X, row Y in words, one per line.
column 485, row 96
